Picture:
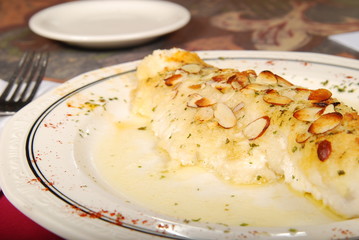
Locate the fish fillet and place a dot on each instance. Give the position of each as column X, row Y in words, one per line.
column 251, row 128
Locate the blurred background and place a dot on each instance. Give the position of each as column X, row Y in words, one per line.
column 285, row 25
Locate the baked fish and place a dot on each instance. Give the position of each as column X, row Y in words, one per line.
column 251, row 128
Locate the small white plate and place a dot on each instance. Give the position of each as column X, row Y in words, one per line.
column 105, row 24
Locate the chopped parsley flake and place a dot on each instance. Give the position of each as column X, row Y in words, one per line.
column 325, row 83
column 294, row 149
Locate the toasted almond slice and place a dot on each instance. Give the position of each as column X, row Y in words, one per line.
column 250, row 73
column 325, row 123
column 257, row 87
column 239, row 77
column 195, row 86
column 219, row 78
column 204, row 102
column 236, row 86
column 192, row 68
column 192, row 100
column 266, row 77
column 299, row 89
column 224, row 116
column 329, row 109
column 276, row 99
column 170, row 81
column 324, row 150
column 282, row 81
column 221, row 86
column 256, row 128
column 308, row 114
column 204, row 114
column 319, row 95
column 238, row 107
column 302, row 137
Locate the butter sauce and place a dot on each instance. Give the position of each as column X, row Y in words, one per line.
column 129, row 163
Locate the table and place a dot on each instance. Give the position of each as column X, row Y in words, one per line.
column 297, row 25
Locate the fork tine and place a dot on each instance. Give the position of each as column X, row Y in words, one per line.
column 14, row 78
column 36, row 76
column 24, row 76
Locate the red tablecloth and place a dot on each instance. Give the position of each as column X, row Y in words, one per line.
column 16, row 226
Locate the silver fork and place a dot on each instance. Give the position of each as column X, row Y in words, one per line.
column 23, row 84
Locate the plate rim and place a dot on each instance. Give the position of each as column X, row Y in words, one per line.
column 205, row 54
column 37, row 27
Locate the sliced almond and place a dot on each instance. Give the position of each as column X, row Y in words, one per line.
column 204, row 102
column 329, row 109
column 221, row 86
column 192, row 68
column 195, row 86
column 252, row 75
column 299, row 89
column 256, row 128
column 324, row 150
column 308, row 114
column 282, row 81
column 257, row 87
column 192, row 100
column 320, row 95
column 325, row 123
column 238, row 107
column 236, row 86
column 302, row 137
column 204, row 114
column 266, row 77
column 273, row 97
column 170, row 81
column 224, row 116
column 239, row 77
column 219, row 78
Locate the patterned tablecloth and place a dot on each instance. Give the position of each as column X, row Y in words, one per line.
column 285, row 25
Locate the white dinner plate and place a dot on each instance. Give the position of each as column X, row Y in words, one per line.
column 109, row 23
column 48, row 167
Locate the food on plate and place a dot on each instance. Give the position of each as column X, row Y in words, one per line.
column 251, row 128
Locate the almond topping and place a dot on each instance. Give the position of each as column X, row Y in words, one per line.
column 274, row 98
column 325, row 123
column 191, row 68
column 266, row 77
column 324, row 150
column 224, row 115
column 195, row 86
column 303, row 137
column 235, row 85
column 220, row 86
column 192, row 100
column 170, row 81
column 256, row 86
column 282, row 81
column 329, row 109
column 320, row 95
column 250, row 73
column 256, row 128
column 204, row 114
column 241, row 78
column 238, row 107
column 204, row 102
column 308, row 114
column 219, row 78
